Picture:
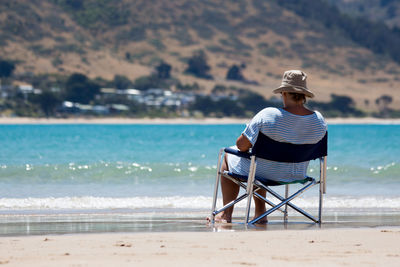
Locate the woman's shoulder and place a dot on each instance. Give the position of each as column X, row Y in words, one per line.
column 320, row 118
column 279, row 115
column 268, row 114
column 318, row 114
column 271, row 111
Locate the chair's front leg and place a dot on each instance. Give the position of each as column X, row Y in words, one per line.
column 250, row 187
column 217, row 179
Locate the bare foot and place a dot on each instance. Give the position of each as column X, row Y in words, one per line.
column 221, row 218
column 262, row 220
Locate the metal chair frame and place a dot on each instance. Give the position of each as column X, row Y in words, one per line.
column 252, row 185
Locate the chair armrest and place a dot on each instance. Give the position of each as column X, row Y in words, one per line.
column 237, row 152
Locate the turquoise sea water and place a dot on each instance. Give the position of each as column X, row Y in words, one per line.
column 147, row 169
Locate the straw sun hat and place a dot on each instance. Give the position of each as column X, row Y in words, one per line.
column 294, row 81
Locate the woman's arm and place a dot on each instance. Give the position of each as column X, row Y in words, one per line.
column 243, row 143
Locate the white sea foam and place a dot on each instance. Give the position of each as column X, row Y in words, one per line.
column 179, row 202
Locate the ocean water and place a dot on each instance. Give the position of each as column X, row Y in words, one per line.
column 156, row 169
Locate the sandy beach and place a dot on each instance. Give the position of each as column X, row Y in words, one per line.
column 116, row 120
column 332, row 247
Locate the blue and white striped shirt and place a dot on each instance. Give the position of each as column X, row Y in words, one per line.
column 282, row 126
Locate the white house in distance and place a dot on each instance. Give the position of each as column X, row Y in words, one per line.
column 17, row 86
column 155, row 97
column 131, row 94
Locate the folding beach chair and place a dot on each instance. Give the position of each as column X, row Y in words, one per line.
column 266, row 148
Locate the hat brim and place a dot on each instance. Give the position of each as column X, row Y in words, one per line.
column 292, row 89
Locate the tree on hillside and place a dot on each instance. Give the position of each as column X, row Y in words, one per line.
column 48, row 102
column 235, row 73
column 255, row 102
column 75, row 4
column 343, row 103
column 340, row 105
column 384, row 100
column 80, row 89
column 163, row 70
column 148, row 82
column 197, row 65
column 219, row 108
column 122, row 82
column 383, row 103
column 6, row 68
column 386, row 2
column 188, row 87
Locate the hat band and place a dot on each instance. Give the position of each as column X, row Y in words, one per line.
column 285, row 84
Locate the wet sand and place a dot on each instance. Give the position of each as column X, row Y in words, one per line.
column 81, row 222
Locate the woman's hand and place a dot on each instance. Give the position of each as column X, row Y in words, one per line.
column 243, row 143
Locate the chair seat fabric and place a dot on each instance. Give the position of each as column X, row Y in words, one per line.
column 266, row 182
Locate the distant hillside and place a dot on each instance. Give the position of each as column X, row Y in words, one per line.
column 109, row 37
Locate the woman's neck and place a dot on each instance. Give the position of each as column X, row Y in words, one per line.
column 297, row 109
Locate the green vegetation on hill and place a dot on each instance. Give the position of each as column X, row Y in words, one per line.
column 96, row 14
column 6, row 68
column 80, row 91
column 373, row 35
column 386, row 11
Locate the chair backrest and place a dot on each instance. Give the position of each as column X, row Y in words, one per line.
column 267, row 148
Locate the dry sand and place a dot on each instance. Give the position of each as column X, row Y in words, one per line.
column 82, row 120
column 333, row 247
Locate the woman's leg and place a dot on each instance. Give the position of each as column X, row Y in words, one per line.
column 230, row 191
column 260, row 206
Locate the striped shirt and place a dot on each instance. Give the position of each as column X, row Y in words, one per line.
column 282, row 126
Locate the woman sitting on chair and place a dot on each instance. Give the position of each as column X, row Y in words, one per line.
column 293, row 123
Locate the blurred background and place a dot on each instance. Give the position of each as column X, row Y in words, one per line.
column 182, row 58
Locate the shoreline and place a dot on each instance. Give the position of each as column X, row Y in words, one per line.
column 183, row 121
column 84, row 222
column 331, row 247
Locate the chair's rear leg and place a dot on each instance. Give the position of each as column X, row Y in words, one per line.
column 285, row 214
column 321, row 187
column 287, row 201
column 267, row 201
column 273, row 193
column 320, row 206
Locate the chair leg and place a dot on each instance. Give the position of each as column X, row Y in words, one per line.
column 322, row 173
column 217, row 179
column 250, row 187
column 287, row 201
column 285, row 214
column 321, row 188
column 320, row 209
